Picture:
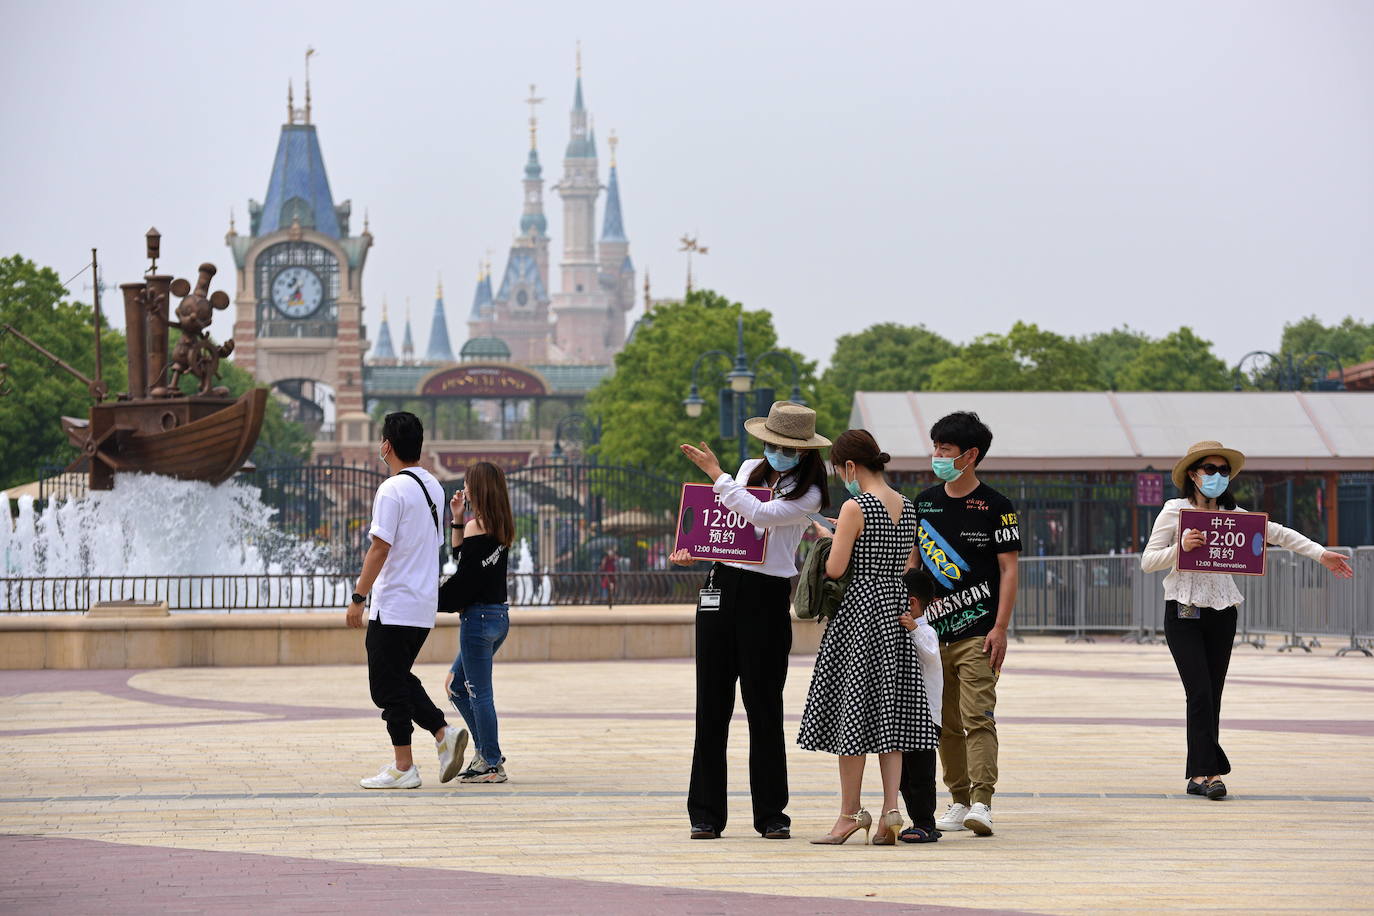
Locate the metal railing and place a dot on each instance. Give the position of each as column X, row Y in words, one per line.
column 1297, row 602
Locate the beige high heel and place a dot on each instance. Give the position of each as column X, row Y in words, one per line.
column 861, row 818
column 889, row 825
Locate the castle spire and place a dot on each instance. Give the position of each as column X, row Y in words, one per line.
column 408, row 343
column 613, row 225
column 439, row 350
column 384, row 348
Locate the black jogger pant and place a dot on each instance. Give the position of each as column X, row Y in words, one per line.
column 747, row 640
column 1201, row 647
column 918, row 787
column 391, row 652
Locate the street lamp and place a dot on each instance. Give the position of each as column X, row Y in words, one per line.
column 739, row 384
column 590, row 433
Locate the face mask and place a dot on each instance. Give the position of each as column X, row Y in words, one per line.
column 944, row 467
column 852, row 486
column 381, row 454
column 780, row 462
column 1213, row 485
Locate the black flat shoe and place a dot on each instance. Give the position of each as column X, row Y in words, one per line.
column 1216, row 789
column 919, row 835
column 777, row 832
column 704, row 832
column 1197, row 788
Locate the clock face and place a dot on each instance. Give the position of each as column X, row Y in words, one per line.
column 297, row 292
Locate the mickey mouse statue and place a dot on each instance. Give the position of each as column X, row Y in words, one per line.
column 196, row 353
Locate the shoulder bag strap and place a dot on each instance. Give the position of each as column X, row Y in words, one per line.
column 433, row 512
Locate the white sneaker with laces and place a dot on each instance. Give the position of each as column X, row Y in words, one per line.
column 953, row 818
column 392, row 778
column 451, row 748
column 979, row 819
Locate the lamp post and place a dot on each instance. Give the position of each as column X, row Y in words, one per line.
column 590, row 434
column 1292, row 373
column 738, row 385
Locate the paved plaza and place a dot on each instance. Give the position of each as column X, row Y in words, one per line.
column 234, row 789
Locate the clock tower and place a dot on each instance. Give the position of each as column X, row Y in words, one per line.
column 298, row 306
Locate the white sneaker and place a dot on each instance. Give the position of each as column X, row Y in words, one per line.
column 952, row 819
column 451, row 748
column 979, row 819
column 392, row 778
column 487, row 774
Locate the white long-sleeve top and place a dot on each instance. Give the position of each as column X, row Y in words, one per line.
column 786, row 519
column 1214, row 590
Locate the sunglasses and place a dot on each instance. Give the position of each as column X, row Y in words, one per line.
column 785, row 451
column 1224, row 469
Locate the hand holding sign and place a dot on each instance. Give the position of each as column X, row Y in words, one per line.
column 1222, row 542
column 708, row 530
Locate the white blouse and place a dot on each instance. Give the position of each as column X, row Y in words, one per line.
column 1214, row 590
column 786, row 520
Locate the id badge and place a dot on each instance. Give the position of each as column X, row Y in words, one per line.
column 708, row 599
column 1188, row 612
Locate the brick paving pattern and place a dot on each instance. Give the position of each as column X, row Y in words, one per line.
column 196, row 790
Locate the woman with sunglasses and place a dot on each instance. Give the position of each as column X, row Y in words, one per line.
column 1200, row 608
column 747, row 638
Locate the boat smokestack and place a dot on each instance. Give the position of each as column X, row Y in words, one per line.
column 136, row 333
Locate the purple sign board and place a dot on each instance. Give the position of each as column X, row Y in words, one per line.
column 709, row 531
column 1149, row 489
column 1234, row 542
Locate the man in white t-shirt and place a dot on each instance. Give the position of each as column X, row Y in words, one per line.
column 401, row 573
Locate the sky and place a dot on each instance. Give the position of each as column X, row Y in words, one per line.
column 1081, row 165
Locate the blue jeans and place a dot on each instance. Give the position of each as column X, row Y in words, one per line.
column 483, row 630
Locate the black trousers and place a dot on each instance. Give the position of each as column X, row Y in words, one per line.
column 1201, row 648
column 391, row 653
column 918, row 787
column 747, row 640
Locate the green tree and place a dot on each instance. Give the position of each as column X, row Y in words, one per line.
column 1352, row 341
column 32, row 300
column 640, row 404
column 884, row 357
column 1114, row 349
column 1026, row 358
column 1180, row 361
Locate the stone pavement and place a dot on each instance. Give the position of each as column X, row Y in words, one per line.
column 201, row 789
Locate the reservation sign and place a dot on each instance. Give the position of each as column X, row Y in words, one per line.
column 1235, row 542
column 709, row 531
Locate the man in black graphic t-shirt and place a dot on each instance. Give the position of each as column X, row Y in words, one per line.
column 968, row 538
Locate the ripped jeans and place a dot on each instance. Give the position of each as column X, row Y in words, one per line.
column 484, row 628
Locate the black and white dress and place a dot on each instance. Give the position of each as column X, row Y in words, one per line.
column 866, row 693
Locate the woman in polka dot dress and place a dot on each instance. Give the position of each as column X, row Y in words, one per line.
column 866, row 693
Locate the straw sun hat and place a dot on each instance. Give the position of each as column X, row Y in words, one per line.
column 789, row 425
column 1200, row 450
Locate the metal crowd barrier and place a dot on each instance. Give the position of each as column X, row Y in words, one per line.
column 1297, row 603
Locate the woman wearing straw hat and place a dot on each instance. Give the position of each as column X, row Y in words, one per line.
column 749, row 636
column 1200, row 608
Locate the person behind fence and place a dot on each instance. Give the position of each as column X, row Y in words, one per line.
column 1200, row 609
column 401, row 574
column 744, row 632
column 867, row 695
column 969, row 539
column 477, row 591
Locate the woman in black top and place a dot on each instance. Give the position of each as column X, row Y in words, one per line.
column 478, row 592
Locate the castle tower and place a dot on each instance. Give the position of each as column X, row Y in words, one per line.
column 579, row 307
column 408, row 343
column 439, row 349
column 298, row 307
column 617, row 276
column 384, row 354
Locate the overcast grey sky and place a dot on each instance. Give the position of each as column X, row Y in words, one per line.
column 962, row 165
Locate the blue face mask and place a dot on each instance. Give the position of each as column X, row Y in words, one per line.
column 1213, row 485
column 944, row 467
column 780, row 462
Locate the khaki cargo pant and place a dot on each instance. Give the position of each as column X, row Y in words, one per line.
column 968, row 734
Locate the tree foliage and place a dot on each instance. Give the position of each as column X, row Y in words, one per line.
column 640, row 404
column 1352, row 341
column 1026, row 358
column 1180, row 361
column 1114, row 349
column 32, row 299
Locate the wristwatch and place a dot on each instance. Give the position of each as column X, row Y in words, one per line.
column 455, row 527
column 358, row 599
